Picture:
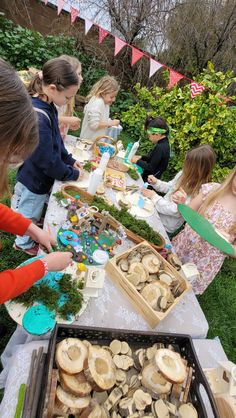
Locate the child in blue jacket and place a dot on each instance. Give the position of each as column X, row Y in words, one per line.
column 57, row 83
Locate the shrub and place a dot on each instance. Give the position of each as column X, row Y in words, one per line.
column 204, row 119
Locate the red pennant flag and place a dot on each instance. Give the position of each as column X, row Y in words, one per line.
column 136, row 55
column 119, row 44
column 174, row 78
column 102, row 34
column 196, row 89
column 88, row 25
column 154, row 66
column 60, row 5
column 73, row 14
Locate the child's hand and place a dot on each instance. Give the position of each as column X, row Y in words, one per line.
column 179, row 196
column 135, row 158
column 74, row 123
column 42, row 237
column 58, row 260
column 152, row 180
column 77, row 165
column 148, row 193
column 114, row 122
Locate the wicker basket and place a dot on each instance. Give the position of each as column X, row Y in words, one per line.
column 102, row 141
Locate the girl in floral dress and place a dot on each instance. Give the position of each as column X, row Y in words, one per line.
column 217, row 203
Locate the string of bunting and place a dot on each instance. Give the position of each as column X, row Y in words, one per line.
column 174, row 76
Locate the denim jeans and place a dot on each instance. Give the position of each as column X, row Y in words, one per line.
column 31, row 206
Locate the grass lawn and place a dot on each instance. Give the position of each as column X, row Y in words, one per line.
column 218, row 302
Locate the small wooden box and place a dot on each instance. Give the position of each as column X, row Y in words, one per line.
column 116, row 175
column 149, row 314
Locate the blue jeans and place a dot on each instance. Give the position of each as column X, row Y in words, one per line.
column 31, row 206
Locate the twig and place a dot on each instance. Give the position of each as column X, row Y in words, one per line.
column 38, row 386
column 33, row 357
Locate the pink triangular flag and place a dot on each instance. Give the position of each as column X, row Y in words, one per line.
column 45, row 1
column 119, row 44
column 73, row 14
column 102, row 34
column 196, row 89
column 154, row 66
column 60, row 5
column 88, row 25
column 136, row 55
column 174, row 78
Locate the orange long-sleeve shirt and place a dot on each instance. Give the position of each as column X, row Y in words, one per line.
column 15, row 282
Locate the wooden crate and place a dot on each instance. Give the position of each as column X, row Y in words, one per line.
column 149, row 314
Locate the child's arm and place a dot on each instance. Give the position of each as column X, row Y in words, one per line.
column 166, row 186
column 72, row 121
column 196, row 202
column 150, row 164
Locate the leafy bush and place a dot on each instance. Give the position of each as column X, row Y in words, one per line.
column 204, row 119
column 25, row 48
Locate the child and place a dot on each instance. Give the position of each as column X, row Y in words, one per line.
column 217, row 203
column 198, row 165
column 157, row 160
column 50, row 161
column 65, row 113
column 96, row 112
column 18, row 138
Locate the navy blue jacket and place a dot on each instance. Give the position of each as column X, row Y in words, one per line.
column 50, row 161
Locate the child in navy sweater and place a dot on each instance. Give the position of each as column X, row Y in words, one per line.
column 57, row 83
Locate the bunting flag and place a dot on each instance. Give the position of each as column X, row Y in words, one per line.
column 154, row 66
column 174, row 78
column 73, row 14
column 60, row 5
column 136, row 55
column 102, row 34
column 196, row 89
column 45, row 1
column 119, row 44
column 88, row 25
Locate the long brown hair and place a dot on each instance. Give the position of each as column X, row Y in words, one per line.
column 218, row 192
column 198, row 165
column 55, row 71
column 18, row 122
column 105, row 85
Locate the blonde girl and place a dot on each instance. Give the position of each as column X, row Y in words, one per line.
column 198, row 165
column 65, row 113
column 217, row 203
column 56, row 84
column 96, row 112
column 18, row 139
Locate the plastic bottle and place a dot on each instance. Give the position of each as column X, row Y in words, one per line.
column 95, row 180
column 104, row 161
column 128, row 149
column 133, row 150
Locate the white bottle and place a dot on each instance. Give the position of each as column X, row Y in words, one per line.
column 133, row 150
column 104, row 161
column 95, row 180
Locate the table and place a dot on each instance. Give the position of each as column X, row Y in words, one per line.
column 111, row 309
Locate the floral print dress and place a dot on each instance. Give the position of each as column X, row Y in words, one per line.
column 190, row 247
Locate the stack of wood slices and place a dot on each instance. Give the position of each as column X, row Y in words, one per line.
column 152, row 284
column 117, row 381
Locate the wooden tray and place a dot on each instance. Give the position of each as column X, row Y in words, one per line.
column 116, row 164
column 116, row 175
column 141, row 305
column 65, row 190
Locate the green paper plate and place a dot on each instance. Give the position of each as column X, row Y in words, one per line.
column 205, row 229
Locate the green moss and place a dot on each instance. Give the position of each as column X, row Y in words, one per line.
column 133, row 174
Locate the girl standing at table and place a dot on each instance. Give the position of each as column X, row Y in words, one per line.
column 57, row 83
column 156, row 161
column 197, row 170
column 65, row 113
column 217, row 203
column 97, row 110
column 18, row 139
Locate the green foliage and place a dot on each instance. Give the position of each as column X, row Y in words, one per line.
column 133, row 174
column 204, row 119
column 25, row 48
